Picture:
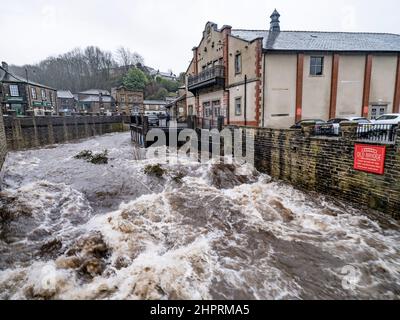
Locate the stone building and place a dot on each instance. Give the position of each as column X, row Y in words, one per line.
column 24, row 97
column 155, row 105
column 95, row 101
column 177, row 108
column 66, row 102
column 128, row 101
column 274, row 78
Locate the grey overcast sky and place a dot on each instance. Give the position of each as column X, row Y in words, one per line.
column 164, row 31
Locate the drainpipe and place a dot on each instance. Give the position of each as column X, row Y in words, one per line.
column 263, row 90
column 245, row 100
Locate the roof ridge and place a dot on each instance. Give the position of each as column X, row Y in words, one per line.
column 320, row 31
column 342, row 32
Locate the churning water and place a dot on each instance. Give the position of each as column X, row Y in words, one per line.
column 70, row 229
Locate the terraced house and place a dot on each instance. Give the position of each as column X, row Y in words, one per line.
column 274, row 78
column 24, row 97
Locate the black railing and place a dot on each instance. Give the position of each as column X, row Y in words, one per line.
column 328, row 130
column 376, row 132
column 207, row 75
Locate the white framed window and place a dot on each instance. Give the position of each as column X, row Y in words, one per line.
column 238, row 106
column 207, row 109
column 238, row 63
column 34, row 93
column 216, row 108
column 43, row 94
column 14, row 91
column 316, row 66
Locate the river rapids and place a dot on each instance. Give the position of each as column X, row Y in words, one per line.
column 70, row 229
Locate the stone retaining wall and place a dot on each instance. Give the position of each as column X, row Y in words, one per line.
column 33, row 132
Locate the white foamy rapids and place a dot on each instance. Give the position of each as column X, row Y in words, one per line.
column 218, row 232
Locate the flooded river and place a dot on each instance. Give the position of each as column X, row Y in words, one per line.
column 70, row 229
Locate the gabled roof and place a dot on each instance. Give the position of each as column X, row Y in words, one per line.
column 96, row 92
column 93, row 98
column 322, row 41
column 65, row 94
column 155, row 102
column 12, row 78
column 181, row 98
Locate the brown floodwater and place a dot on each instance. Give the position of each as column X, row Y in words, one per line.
column 70, row 229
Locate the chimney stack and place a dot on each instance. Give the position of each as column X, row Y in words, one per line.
column 5, row 66
column 275, row 26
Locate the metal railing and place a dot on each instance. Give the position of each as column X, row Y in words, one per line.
column 376, row 132
column 206, row 75
column 328, row 130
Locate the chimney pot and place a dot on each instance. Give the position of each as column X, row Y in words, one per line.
column 5, row 66
column 275, row 23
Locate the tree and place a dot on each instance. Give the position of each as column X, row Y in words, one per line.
column 135, row 79
column 126, row 58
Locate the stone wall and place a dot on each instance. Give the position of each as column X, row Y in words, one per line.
column 32, row 132
column 326, row 165
column 3, row 141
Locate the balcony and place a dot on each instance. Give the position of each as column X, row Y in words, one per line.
column 214, row 76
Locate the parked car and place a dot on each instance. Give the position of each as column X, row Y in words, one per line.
column 391, row 118
column 332, row 127
column 153, row 120
column 298, row 124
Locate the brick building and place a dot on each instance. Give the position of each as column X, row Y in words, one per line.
column 273, row 78
column 128, row 101
column 23, row 97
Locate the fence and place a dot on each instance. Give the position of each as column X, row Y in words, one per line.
column 384, row 133
column 377, row 132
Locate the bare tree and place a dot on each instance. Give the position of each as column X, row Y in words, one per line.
column 126, row 58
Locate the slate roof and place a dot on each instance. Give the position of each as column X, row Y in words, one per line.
column 106, row 99
column 323, row 41
column 95, row 92
column 65, row 94
column 12, row 78
column 155, row 102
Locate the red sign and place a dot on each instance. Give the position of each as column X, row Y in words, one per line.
column 370, row 158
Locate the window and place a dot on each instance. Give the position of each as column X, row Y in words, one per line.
column 130, row 99
column 207, row 109
column 377, row 111
column 216, row 108
column 190, row 110
column 43, row 94
column 51, row 97
column 317, row 66
column 238, row 63
column 34, row 93
column 14, row 92
column 238, row 106
column 123, row 99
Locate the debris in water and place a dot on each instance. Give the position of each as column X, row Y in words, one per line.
column 89, row 156
column 84, row 155
column 155, row 170
column 178, row 177
column 100, row 158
